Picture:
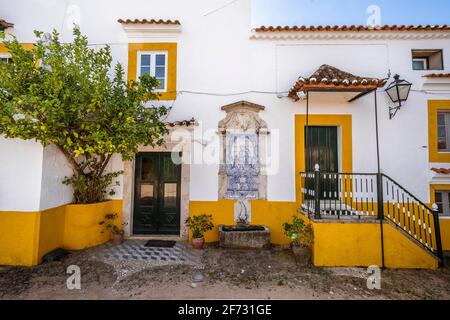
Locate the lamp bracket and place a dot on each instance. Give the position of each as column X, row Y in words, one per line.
column 393, row 111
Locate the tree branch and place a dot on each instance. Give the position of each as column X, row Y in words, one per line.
column 71, row 160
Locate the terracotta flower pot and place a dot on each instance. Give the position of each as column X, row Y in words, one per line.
column 117, row 238
column 198, row 243
column 302, row 255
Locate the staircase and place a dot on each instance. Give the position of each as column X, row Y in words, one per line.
column 372, row 196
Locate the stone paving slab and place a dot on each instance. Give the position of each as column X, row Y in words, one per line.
column 132, row 256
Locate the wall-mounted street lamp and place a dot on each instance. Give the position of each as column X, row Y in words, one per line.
column 398, row 90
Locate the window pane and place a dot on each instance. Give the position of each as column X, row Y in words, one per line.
column 419, row 65
column 442, row 144
column 145, row 60
column 447, row 210
column 160, row 72
column 160, row 59
column 146, row 198
column 441, row 119
column 170, row 194
column 145, row 70
column 438, row 200
column 438, row 197
column 162, row 84
column 148, row 169
column 441, row 132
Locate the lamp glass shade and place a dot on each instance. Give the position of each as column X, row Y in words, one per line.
column 399, row 90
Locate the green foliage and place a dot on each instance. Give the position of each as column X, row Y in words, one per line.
column 300, row 233
column 111, row 224
column 64, row 94
column 92, row 190
column 199, row 225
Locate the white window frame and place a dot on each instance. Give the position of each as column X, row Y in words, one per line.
column 153, row 66
column 425, row 63
column 5, row 55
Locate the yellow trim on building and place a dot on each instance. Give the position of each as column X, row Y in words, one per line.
column 19, row 237
column 444, row 222
column 344, row 122
column 335, row 244
column 344, row 244
column 25, row 237
column 269, row 213
column 27, row 46
column 171, row 48
column 433, row 107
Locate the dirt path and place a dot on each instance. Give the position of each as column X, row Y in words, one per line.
column 230, row 274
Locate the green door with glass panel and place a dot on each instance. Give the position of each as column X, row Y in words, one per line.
column 156, row 194
column 322, row 149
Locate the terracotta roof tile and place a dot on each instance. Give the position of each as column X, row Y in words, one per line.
column 352, row 28
column 441, row 170
column 330, row 77
column 148, row 21
column 437, row 75
column 183, row 123
column 4, row 24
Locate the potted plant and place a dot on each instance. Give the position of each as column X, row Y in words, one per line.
column 117, row 232
column 198, row 226
column 301, row 235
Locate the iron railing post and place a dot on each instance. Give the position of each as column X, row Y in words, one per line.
column 380, row 197
column 317, row 192
column 437, row 233
column 380, row 207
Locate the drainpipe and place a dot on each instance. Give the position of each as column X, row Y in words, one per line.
column 379, row 183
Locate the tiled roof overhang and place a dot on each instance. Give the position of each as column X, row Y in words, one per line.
column 183, row 123
column 353, row 32
column 440, row 170
column 352, row 28
column 437, row 75
column 4, row 25
column 148, row 21
column 328, row 78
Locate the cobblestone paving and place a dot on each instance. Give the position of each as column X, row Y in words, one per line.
column 132, row 256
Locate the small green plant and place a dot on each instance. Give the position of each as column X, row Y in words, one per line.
column 299, row 232
column 111, row 225
column 199, row 225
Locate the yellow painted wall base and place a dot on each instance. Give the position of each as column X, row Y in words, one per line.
column 25, row 237
column 82, row 229
column 359, row 245
column 268, row 213
column 19, row 238
column 336, row 244
column 445, row 233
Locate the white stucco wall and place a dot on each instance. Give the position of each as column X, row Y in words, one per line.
column 216, row 56
column 20, row 175
column 55, row 168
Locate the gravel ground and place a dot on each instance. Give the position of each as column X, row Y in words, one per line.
column 229, row 274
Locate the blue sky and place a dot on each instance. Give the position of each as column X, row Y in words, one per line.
column 323, row 12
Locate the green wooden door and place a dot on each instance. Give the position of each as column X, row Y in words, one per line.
column 156, row 195
column 322, row 149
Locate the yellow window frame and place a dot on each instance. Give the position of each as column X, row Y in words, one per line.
column 171, row 48
column 343, row 121
column 434, row 106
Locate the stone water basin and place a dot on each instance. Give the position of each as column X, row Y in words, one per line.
column 244, row 237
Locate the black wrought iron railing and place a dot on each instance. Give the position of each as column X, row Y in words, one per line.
column 328, row 195
column 339, row 194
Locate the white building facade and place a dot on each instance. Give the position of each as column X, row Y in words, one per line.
column 211, row 57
